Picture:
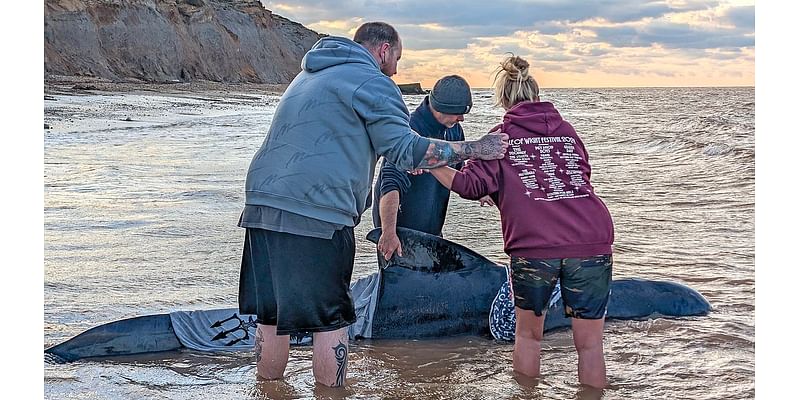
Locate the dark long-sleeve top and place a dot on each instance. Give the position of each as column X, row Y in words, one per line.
column 423, row 200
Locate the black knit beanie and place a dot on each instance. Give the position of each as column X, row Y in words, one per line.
column 451, row 95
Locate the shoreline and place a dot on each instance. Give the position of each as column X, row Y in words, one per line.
column 78, row 104
column 78, row 85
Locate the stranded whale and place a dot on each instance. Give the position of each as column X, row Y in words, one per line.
column 437, row 289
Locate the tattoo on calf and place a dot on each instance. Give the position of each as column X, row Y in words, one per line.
column 340, row 352
column 259, row 341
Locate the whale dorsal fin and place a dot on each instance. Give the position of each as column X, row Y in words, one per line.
column 426, row 252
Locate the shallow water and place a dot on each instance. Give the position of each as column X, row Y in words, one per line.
column 140, row 217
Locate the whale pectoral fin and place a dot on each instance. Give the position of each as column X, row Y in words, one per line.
column 425, row 252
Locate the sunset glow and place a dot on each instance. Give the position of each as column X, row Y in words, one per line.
column 572, row 43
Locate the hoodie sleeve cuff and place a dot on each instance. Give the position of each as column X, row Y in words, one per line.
column 420, row 148
column 393, row 179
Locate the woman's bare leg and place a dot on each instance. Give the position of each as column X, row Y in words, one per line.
column 528, row 342
column 588, row 337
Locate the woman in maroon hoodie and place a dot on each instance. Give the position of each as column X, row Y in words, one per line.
column 554, row 226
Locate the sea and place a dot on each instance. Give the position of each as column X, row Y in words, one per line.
column 143, row 192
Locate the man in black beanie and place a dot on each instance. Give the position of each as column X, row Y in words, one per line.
column 417, row 200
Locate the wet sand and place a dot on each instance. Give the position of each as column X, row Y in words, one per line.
column 76, row 85
column 86, row 103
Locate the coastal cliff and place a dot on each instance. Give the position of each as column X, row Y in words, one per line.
column 167, row 41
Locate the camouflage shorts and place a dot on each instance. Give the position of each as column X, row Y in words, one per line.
column 585, row 284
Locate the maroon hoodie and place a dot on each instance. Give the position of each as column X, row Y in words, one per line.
column 547, row 206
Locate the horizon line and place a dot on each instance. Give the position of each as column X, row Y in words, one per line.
column 612, row 87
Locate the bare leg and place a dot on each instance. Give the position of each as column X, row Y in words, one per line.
column 272, row 352
column 528, row 342
column 588, row 337
column 330, row 357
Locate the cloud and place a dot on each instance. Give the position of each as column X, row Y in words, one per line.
column 590, row 52
column 742, row 17
column 726, row 54
column 569, row 43
column 477, row 19
column 433, row 36
column 673, row 36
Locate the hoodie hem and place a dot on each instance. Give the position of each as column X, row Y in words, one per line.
column 300, row 207
column 570, row 251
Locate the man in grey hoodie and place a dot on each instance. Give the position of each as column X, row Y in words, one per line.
column 309, row 183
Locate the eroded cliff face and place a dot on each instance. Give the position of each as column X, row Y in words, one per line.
column 172, row 40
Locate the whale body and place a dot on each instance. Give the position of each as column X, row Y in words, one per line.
column 437, row 289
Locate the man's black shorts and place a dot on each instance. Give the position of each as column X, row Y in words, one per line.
column 298, row 283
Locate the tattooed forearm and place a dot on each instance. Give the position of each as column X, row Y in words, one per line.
column 468, row 148
column 441, row 153
column 340, row 352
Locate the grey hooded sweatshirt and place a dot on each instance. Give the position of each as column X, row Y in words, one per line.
column 333, row 122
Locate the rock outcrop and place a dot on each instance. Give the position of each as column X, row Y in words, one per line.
column 411, row 88
column 172, row 41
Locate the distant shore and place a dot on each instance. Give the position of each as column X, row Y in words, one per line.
column 72, row 85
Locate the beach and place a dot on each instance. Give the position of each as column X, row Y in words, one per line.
column 144, row 186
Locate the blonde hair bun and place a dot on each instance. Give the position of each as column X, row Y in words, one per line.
column 516, row 67
column 513, row 83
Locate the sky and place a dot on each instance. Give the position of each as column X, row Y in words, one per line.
column 718, row 51
column 569, row 43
